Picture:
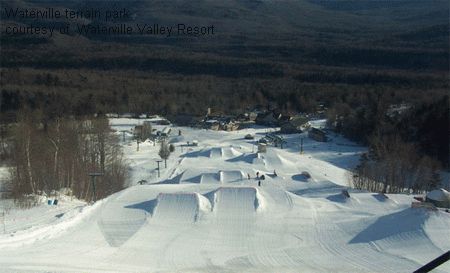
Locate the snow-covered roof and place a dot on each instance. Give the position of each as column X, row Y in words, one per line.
column 439, row 195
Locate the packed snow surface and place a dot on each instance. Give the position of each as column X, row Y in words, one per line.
column 206, row 213
column 439, row 195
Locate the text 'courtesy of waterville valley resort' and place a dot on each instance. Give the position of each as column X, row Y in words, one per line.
column 146, row 29
column 99, row 22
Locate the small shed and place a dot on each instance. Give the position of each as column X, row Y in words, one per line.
column 262, row 147
column 439, row 198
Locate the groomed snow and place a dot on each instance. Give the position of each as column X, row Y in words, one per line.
column 204, row 215
column 439, row 195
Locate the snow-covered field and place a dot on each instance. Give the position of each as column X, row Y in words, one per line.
column 204, row 215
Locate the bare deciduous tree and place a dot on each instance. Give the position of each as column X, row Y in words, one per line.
column 54, row 154
column 164, row 152
column 394, row 166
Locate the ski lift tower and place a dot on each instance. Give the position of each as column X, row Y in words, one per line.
column 93, row 180
column 158, row 162
column 123, row 134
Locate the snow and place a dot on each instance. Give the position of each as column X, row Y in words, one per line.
column 439, row 195
column 236, row 201
column 203, row 214
column 180, row 207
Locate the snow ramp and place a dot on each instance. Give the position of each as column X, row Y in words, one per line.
column 180, row 207
column 275, row 161
column 118, row 223
column 231, row 176
column 237, row 201
column 223, row 152
column 215, row 153
column 251, row 158
column 209, row 178
column 229, row 152
column 259, row 160
column 202, row 178
column 217, row 178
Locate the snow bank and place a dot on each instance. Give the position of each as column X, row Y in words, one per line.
column 33, row 235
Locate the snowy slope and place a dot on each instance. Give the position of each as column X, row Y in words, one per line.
column 204, row 215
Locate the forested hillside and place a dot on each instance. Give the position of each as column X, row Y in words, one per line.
column 356, row 57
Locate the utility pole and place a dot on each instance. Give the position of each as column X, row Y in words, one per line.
column 301, row 146
column 158, row 161
column 93, row 176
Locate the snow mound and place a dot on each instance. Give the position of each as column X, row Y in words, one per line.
column 209, row 178
column 228, row 176
column 118, row 223
column 175, row 179
column 20, row 238
column 231, row 176
column 237, row 201
column 259, row 160
column 275, row 161
column 397, row 226
column 302, row 177
column 215, row 153
column 339, row 198
column 230, row 152
column 219, row 177
column 180, row 207
column 223, row 152
column 117, row 232
column 439, row 195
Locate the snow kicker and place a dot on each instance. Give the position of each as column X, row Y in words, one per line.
column 180, row 207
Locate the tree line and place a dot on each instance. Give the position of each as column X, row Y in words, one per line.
column 407, row 149
column 394, row 166
column 53, row 154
